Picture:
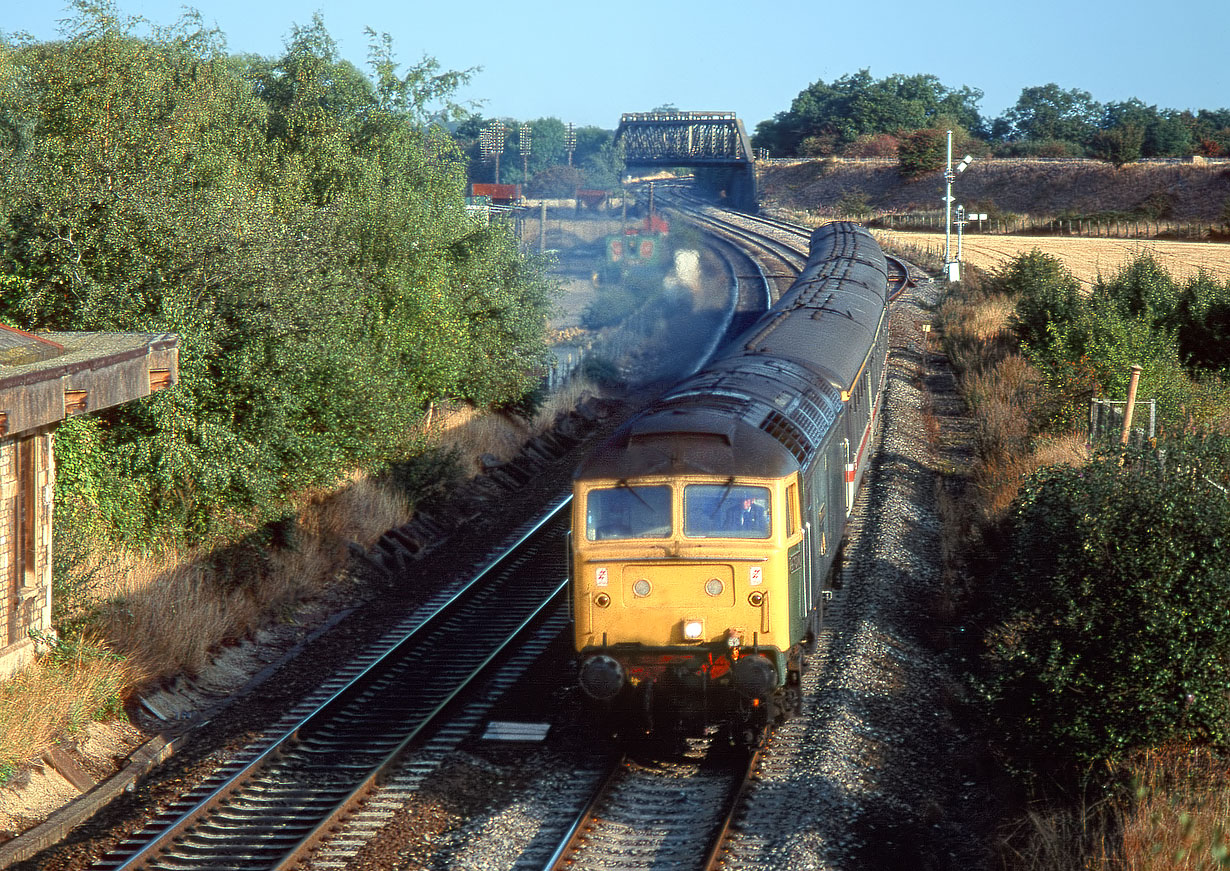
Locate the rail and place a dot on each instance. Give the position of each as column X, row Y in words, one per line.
column 279, row 805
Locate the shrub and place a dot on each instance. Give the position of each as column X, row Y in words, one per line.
column 1047, row 295
column 1115, row 632
column 1143, row 289
column 872, row 145
column 1202, row 318
column 921, row 152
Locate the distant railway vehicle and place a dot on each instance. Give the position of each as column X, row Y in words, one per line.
column 640, row 247
column 704, row 530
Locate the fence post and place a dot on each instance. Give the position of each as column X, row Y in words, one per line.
column 1131, row 405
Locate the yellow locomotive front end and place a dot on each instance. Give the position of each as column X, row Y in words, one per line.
column 682, row 595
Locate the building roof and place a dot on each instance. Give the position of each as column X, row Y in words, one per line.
column 46, row 377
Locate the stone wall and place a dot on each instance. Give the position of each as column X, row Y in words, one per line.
column 27, row 475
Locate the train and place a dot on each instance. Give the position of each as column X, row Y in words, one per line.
column 639, row 249
column 705, row 530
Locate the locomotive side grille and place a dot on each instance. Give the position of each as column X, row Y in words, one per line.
column 788, row 434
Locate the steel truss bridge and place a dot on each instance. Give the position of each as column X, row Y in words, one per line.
column 715, row 141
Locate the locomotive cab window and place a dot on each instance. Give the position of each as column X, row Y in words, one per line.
column 792, row 509
column 726, row 511
column 628, row 511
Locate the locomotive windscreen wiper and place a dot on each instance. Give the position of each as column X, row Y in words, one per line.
column 730, row 483
column 623, row 482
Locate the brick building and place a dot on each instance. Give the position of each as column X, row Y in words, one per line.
column 44, row 379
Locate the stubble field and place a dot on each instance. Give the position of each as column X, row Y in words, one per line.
column 1085, row 258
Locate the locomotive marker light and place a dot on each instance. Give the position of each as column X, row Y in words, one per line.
column 952, row 268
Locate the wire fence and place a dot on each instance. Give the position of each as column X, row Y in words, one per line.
column 1106, row 422
column 1108, row 227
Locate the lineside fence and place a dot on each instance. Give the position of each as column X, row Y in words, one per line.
column 611, row 347
column 1106, row 422
column 1025, row 225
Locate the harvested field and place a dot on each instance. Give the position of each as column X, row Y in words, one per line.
column 1085, row 258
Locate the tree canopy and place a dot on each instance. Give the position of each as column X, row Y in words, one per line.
column 299, row 224
column 854, row 111
column 824, row 117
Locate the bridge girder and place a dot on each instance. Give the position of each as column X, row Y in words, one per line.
column 699, row 139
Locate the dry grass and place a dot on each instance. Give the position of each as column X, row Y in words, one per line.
column 56, row 695
column 1179, row 819
column 167, row 613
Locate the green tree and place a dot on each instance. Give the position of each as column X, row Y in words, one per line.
column 1118, row 145
column 829, row 116
column 1048, row 112
column 299, row 225
column 1047, row 296
column 922, row 152
column 1202, row 320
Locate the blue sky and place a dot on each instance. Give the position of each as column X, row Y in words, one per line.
column 588, row 62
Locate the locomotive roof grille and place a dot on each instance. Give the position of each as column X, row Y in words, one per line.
column 791, row 437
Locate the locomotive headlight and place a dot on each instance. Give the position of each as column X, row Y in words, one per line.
column 714, row 586
column 641, row 588
column 693, row 630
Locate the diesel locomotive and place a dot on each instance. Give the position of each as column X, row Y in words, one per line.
column 704, row 531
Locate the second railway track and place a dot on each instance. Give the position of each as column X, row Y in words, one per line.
column 270, row 811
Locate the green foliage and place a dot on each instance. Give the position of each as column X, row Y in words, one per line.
column 1143, row 289
column 1046, row 294
column 1048, row 112
column 556, row 181
column 1114, row 628
column 1086, row 344
column 853, row 204
column 1118, row 145
column 298, row 224
column 828, row 116
column 1202, row 320
column 922, row 152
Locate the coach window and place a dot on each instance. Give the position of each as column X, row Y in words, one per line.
column 726, row 511
column 628, row 511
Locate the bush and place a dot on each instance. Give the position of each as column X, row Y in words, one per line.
column 1047, row 296
column 921, row 152
column 1115, row 628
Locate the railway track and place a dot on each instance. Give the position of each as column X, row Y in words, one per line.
column 782, row 241
column 276, row 806
column 670, row 812
column 272, row 809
